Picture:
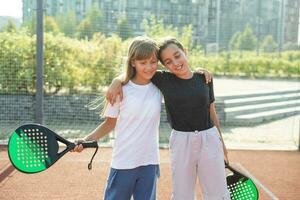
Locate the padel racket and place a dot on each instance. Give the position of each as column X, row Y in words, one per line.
column 33, row 148
column 240, row 186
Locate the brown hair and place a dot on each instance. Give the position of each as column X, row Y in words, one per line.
column 165, row 42
column 141, row 48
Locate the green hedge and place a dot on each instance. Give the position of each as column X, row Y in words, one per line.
column 249, row 64
column 17, row 61
column 69, row 64
column 72, row 64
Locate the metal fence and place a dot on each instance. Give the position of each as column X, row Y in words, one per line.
column 64, row 53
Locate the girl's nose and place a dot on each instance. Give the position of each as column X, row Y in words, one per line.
column 175, row 62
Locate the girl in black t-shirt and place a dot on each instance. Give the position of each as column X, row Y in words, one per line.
column 197, row 148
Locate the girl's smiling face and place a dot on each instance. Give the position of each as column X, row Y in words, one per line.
column 145, row 68
column 175, row 60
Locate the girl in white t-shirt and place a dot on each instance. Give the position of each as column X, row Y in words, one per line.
column 135, row 120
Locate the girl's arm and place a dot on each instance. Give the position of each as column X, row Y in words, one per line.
column 103, row 129
column 214, row 118
column 115, row 89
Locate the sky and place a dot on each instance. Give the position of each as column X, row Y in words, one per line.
column 11, row 8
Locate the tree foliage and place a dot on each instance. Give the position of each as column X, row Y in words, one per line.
column 156, row 29
column 10, row 27
column 124, row 30
column 234, row 42
column 91, row 24
column 72, row 65
column 245, row 41
column 268, row 44
column 17, row 64
column 51, row 25
column 67, row 23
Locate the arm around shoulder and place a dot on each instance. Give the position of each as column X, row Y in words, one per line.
column 207, row 74
column 115, row 89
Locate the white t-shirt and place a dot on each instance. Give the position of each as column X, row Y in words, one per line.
column 137, row 127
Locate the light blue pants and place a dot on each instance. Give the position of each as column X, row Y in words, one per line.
column 139, row 182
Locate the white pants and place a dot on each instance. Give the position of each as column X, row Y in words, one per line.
column 198, row 154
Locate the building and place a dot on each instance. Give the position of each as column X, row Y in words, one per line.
column 291, row 21
column 213, row 21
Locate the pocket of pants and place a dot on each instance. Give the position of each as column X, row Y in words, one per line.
column 172, row 140
column 214, row 145
column 111, row 177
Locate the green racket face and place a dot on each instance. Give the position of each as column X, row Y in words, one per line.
column 243, row 190
column 28, row 150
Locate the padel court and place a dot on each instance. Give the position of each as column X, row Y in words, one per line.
column 275, row 173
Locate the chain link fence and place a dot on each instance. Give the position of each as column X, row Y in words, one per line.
column 85, row 44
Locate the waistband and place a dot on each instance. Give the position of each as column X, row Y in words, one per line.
column 212, row 129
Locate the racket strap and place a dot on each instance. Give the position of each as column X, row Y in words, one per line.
column 90, row 164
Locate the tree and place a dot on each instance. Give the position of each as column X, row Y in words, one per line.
column 187, row 36
column 84, row 29
column 10, row 26
column 124, row 30
column 30, row 25
column 291, row 46
column 67, row 23
column 155, row 28
column 234, row 41
column 269, row 45
column 92, row 23
column 51, row 25
column 17, row 55
column 247, row 40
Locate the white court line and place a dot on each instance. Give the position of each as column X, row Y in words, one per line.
column 257, row 182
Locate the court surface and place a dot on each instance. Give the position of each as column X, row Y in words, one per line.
column 276, row 173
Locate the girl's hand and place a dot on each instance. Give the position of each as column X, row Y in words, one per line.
column 208, row 76
column 78, row 148
column 113, row 91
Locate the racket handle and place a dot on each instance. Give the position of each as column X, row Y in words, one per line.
column 90, row 144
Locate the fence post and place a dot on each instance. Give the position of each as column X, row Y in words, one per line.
column 218, row 25
column 281, row 27
column 299, row 139
column 39, row 109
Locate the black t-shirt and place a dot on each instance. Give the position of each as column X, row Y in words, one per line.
column 187, row 101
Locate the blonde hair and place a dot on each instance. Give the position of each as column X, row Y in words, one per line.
column 140, row 48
